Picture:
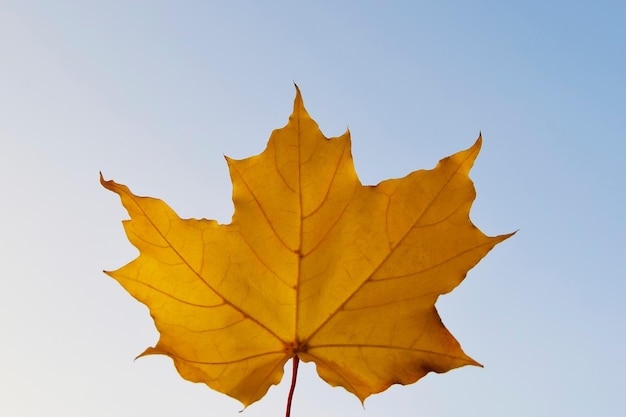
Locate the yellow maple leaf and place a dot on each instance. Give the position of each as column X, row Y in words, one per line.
column 314, row 265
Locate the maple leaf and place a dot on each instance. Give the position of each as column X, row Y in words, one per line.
column 314, row 266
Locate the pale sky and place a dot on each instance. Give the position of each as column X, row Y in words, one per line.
column 154, row 93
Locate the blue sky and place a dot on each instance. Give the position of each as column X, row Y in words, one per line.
column 154, row 93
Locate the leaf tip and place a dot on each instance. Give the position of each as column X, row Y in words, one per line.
column 479, row 141
column 108, row 184
column 475, row 363
column 299, row 111
column 298, row 102
column 502, row 238
column 149, row 351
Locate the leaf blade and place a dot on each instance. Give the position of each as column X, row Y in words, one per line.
column 313, row 264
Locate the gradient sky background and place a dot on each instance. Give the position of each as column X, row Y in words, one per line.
column 154, row 93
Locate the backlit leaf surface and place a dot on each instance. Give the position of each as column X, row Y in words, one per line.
column 313, row 264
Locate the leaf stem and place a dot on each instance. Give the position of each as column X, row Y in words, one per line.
column 294, row 375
